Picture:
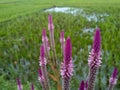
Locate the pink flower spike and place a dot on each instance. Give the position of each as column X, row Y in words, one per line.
column 82, row 86
column 32, row 86
column 19, row 84
column 44, row 36
column 45, row 41
column 97, row 41
column 40, row 78
column 113, row 79
column 42, row 56
column 50, row 23
column 62, row 39
column 50, row 19
column 67, row 65
column 114, row 74
column 94, row 60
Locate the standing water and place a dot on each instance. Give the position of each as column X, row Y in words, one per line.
column 78, row 11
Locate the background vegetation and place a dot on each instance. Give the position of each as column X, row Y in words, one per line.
column 21, row 24
column 13, row 8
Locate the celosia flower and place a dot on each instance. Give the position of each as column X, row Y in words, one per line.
column 50, row 23
column 94, row 60
column 113, row 79
column 97, row 41
column 42, row 56
column 45, row 40
column 62, row 41
column 43, row 63
column 67, row 65
column 19, row 85
column 40, row 77
column 52, row 41
column 82, row 86
column 46, row 44
column 32, row 86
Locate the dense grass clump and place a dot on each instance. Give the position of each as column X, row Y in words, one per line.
column 20, row 39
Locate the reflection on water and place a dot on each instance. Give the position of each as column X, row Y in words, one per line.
column 79, row 11
column 87, row 30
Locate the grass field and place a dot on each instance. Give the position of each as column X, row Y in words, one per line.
column 13, row 8
column 21, row 24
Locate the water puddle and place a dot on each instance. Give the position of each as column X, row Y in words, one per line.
column 69, row 10
column 87, row 30
column 79, row 11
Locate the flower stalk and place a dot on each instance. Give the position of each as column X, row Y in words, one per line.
column 94, row 60
column 67, row 66
column 41, row 78
column 52, row 41
column 43, row 63
column 46, row 44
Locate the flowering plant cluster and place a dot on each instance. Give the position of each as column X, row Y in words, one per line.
column 67, row 67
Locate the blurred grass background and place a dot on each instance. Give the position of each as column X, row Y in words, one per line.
column 21, row 24
column 13, row 8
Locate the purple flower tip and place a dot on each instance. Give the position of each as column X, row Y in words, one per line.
column 50, row 19
column 45, row 40
column 50, row 23
column 32, row 86
column 19, row 84
column 62, row 39
column 68, row 51
column 18, row 81
column 44, row 36
column 82, row 86
column 113, row 78
column 97, row 41
column 114, row 74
